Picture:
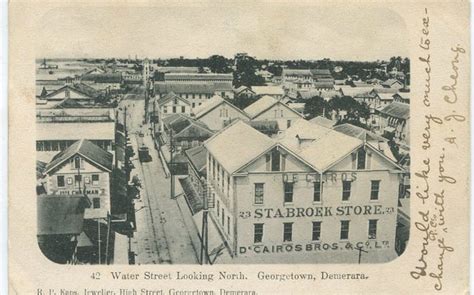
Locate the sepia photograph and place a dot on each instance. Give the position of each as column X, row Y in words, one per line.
column 244, row 146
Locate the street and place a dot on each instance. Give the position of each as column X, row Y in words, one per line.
column 162, row 236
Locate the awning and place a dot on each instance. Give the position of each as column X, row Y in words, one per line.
column 194, row 200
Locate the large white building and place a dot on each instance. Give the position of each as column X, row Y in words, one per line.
column 313, row 195
column 217, row 112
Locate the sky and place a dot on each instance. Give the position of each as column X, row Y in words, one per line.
column 264, row 31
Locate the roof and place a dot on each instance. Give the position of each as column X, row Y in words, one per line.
column 318, row 84
column 103, row 78
column 297, row 106
column 197, row 156
column 322, row 121
column 384, row 90
column 403, row 95
column 316, row 144
column 186, row 127
column 86, row 149
column 169, row 96
column 61, row 215
column 40, row 168
column 320, row 72
column 79, row 87
column 197, row 88
column 68, row 103
column 354, row 91
column 199, row 76
column 237, row 139
column 177, row 69
column 385, row 96
column 213, row 103
column 268, row 90
column 260, row 106
column 69, row 115
column 398, row 110
column 296, row 72
column 193, row 198
column 390, row 82
column 358, row 132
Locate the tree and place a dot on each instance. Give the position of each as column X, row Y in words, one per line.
column 218, row 64
column 245, row 73
column 314, row 107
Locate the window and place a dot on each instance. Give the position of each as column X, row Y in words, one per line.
column 228, row 224
column 222, row 94
column 288, row 188
column 86, row 180
column 259, row 188
column 69, row 180
column 61, row 181
column 218, row 205
column 165, row 109
column 174, row 109
column 77, row 163
column 287, row 231
column 258, row 232
column 223, row 178
column 95, row 179
column 194, row 105
column 344, row 229
column 183, row 109
column 372, row 229
column 288, row 123
column 316, row 231
column 275, row 160
column 361, row 159
column 96, row 203
column 223, row 217
column 346, row 190
column 317, row 191
column 374, row 189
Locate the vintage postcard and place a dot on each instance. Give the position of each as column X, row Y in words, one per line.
column 238, row 148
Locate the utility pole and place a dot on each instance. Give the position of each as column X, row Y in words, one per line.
column 98, row 238
column 204, row 236
column 108, row 239
column 360, row 249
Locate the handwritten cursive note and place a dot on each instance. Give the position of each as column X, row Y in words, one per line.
column 435, row 175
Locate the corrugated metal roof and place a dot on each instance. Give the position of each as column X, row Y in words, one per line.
column 397, row 110
column 260, row 105
column 322, row 121
column 197, row 156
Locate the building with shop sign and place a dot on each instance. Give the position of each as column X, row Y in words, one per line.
column 82, row 169
column 311, row 195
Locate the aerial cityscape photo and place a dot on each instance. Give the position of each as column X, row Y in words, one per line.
column 232, row 157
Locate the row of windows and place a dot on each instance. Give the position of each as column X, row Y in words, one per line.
column 187, row 95
column 219, row 175
column 288, row 189
column 62, row 180
column 174, row 109
column 316, row 230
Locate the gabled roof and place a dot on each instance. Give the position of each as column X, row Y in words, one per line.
column 354, row 91
column 397, row 110
column 264, row 104
column 385, row 96
column 320, row 72
column 238, row 90
column 318, row 84
column 379, row 89
column 68, row 103
column 185, row 127
column 237, row 145
column 213, row 103
column 170, row 96
column 296, row 72
column 390, row 82
column 320, row 146
column 86, row 149
column 358, row 132
column 79, row 87
column 322, row 121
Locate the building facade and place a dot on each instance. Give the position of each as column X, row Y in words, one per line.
column 279, row 203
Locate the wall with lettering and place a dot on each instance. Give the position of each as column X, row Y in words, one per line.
column 330, row 211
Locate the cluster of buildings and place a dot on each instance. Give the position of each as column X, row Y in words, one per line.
column 84, row 200
column 271, row 186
